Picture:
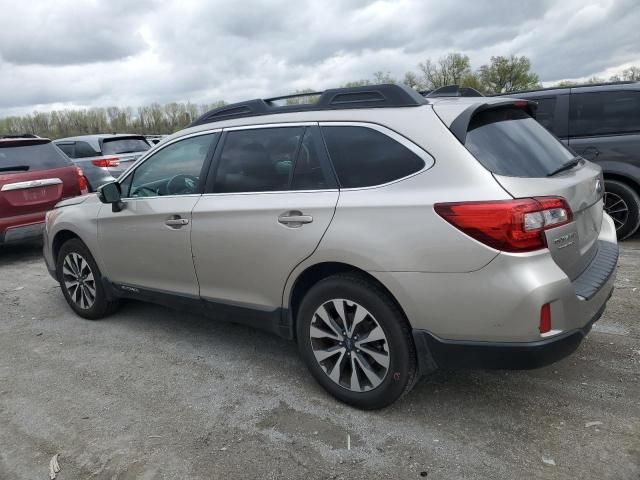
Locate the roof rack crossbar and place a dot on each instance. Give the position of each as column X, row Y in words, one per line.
column 369, row 96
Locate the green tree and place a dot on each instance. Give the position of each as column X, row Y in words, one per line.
column 507, row 74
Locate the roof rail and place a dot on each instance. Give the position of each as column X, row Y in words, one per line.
column 368, row 96
column 23, row 135
column 578, row 85
column 453, row 91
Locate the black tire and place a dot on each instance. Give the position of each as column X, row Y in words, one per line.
column 616, row 191
column 402, row 371
column 101, row 306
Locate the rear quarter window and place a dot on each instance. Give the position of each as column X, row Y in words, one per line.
column 507, row 141
column 364, row 157
column 31, row 157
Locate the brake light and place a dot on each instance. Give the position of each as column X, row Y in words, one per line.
column 106, row 162
column 509, row 225
column 545, row 318
column 83, row 186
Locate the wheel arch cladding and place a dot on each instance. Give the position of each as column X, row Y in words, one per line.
column 60, row 239
column 318, row 272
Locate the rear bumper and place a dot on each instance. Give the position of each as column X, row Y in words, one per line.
column 434, row 352
column 22, row 233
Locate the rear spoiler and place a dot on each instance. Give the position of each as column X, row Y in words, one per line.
column 460, row 124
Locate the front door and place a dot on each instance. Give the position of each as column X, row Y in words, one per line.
column 147, row 244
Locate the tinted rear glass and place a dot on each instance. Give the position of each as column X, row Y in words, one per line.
column 602, row 113
column 509, row 142
column 545, row 111
column 31, row 157
column 364, row 157
column 112, row 146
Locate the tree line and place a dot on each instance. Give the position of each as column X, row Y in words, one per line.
column 503, row 74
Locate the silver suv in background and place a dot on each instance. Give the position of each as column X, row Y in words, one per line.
column 388, row 234
column 103, row 157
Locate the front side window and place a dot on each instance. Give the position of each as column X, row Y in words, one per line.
column 363, row 157
column 174, row 170
column 602, row 113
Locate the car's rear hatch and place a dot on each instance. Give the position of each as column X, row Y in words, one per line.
column 125, row 150
column 34, row 176
column 527, row 161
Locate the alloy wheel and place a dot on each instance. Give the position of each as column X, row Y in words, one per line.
column 349, row 345
column 79, row 280
column 617, row 209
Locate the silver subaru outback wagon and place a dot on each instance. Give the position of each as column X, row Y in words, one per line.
column 387, row 233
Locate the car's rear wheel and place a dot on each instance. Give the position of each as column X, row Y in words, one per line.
column 81, row 281
column 356, row 341
column 622, row 203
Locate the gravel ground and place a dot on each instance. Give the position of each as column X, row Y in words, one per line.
column 152, row 393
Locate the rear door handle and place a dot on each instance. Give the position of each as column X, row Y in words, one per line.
column 176, row 222
column 294, row 219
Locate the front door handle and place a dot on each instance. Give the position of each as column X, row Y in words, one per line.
column 294, row 219
column 176, row 222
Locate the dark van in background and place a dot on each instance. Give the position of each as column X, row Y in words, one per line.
column 602, row 124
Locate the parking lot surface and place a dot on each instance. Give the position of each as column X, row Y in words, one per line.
column 152, row 393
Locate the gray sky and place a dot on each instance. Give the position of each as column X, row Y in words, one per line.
column 77, row 53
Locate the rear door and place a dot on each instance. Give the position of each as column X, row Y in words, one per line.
column 527, row 161
column 604, row 127
column 34, row 176
column 270, row 199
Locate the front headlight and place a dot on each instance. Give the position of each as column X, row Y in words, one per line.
column 49, row 217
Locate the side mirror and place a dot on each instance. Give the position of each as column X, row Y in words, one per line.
column 110, row 193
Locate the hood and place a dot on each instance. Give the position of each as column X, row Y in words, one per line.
column 92, row 197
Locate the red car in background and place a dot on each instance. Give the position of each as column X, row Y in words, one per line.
column 34, row 176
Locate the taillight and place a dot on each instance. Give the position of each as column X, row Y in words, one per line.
column 82, row 181
column 509, row 225
column 106, row 162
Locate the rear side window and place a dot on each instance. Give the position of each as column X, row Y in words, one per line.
column 602, row 113
column 545, row 111
column 363, row 157
column 507, row 141
column 84, row 150
column 67, row 148
column 259, row 160
column 38, row 156
column 113, row 146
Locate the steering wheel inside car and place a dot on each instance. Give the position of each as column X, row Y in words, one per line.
column 182, row 184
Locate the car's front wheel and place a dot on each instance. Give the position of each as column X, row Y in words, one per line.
column 81, row 281
column 356, row 341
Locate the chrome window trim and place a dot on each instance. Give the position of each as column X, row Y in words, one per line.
column 426, row 157
column 267, row 192
column 270, row 125
column 30, row 184
column 152, row 151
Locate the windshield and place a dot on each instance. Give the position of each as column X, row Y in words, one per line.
column 112, row 146
column 40, row 156
column 507, row 141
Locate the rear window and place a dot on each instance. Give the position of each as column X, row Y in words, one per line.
column 113, row 146
column 507, row 141
column 602, row 113
column 37, row 156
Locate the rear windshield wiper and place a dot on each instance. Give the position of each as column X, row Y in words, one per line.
column 566, row 166
column 15, row 168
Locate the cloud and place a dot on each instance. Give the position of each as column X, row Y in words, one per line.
column 90, row 53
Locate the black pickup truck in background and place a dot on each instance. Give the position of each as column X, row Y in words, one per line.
column 602, row 124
